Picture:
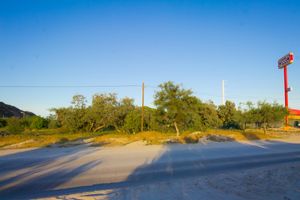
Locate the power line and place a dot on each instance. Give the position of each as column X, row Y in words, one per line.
column 67, row 86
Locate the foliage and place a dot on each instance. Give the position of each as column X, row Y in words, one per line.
column 52, row 122
column 174, row 105
column 132, row 122
column 38, row 123
column 228, row 115
column 102, row 113
column 205, row 116
column 15, row 125
column 177, row 109
column 270, row 113
column 3, row 123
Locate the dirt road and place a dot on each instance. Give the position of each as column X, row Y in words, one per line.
column 256, row 170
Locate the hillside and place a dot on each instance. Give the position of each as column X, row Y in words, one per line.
column 11, row 111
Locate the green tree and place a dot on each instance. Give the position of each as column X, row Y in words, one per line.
column 208, row 115
column 132, row 122
column 15, row 125
column 247, row 115
column 52, row 122
column 102, row 113
column 174, row 105
column 38, row 123
column 123, row 108
column 79, row 101
column 270, row 113
column 228, row 115
column 73, row 118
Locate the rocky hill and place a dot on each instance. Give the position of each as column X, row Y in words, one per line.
column 11, row 111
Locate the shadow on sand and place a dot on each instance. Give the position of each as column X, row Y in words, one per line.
column 39, row 170
column 173, row 163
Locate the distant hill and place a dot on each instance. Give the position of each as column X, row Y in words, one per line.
column 11, row 111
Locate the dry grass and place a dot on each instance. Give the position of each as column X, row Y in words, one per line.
column 41, row 138
column 48, row 137
column 116, row 139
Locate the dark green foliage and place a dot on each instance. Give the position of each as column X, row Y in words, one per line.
column 15, row 125
column 228, row 115
column 177, row 109
column 3, row 123
column 270, row 113
column 174, row 105
column 52, row 122
column 132, row 122
column 103, row 112
column 38, row 123
column 264, row 115
column 205, row 116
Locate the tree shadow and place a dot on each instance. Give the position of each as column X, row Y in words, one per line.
column 172, row 163
column 24, row 174
column 250, row 136
column 175, row 165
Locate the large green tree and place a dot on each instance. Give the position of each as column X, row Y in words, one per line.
column 174, row 105
column 102, row 113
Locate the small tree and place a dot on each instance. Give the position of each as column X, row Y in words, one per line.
column 38, row 123
column 248, row 115
column 270, row 113
column 228, row 115
column 123, row 108
column 132, row 122
column 174, row 105
column 14, row 125
column 102, row 113
column 208, row 115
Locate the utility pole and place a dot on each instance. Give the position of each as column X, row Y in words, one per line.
column 143, row 106
column 223, row 92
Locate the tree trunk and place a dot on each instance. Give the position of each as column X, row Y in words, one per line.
column 99, row 128
column 265, row 128
column 177, row 130
column 92, row 126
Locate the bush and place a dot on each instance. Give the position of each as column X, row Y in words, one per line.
column 15, row 125
column 191, row 139
column 38, row 123
column 52, row 124
column 132, row 122
column 3, row 123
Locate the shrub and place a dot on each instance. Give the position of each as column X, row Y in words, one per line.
column 38, row 123
column 133, row 122
column 191, row 139
column 3, row 123
column 15, row 125
column 52, row 123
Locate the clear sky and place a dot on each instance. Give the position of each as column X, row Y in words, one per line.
column 195, row 43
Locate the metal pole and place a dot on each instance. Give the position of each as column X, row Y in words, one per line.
column 286, row 93
column 223, row 92
column 143, row 105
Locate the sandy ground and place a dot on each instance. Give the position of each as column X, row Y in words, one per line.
column 216, row 171
column 279, row 182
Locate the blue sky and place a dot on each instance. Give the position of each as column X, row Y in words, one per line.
column 195, row 43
